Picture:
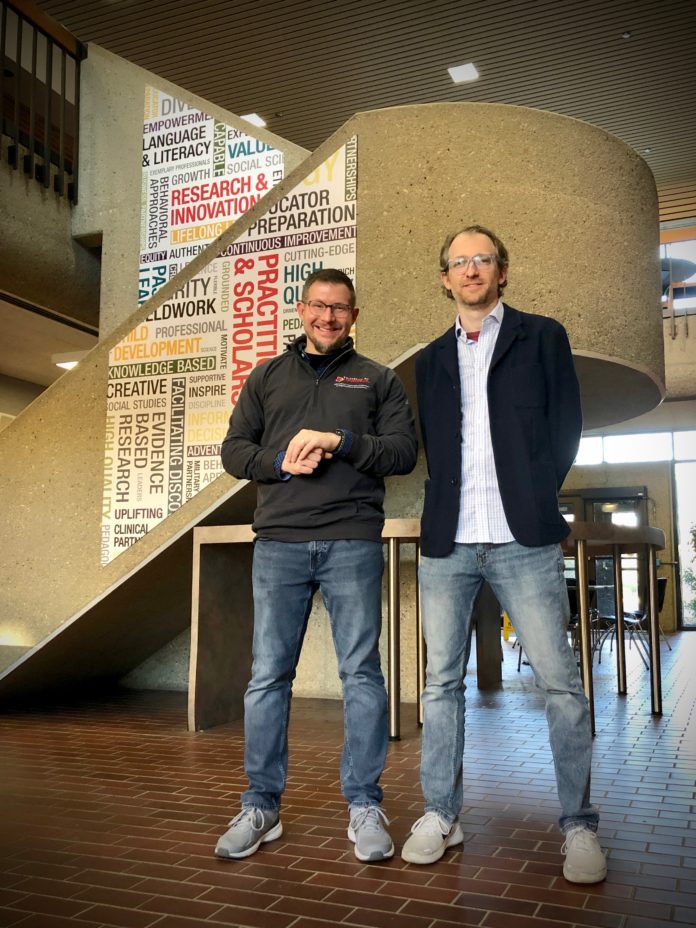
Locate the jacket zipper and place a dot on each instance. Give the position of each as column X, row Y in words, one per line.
column 317, row 380
column 329, row 366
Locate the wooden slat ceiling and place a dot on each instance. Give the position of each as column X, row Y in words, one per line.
column 307, row 65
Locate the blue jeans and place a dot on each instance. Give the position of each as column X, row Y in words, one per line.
column 285, row 577
column 530, row 586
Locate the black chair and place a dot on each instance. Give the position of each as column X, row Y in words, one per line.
column 638, row 622
column 635, row 626
column 574, row 624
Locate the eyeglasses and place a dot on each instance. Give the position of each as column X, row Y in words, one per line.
column 340, row 310
column 462, row 263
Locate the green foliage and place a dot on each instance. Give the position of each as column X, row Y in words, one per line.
column 690, row 582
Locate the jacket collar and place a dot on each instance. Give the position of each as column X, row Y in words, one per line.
column 299, row 346
column 511, row 328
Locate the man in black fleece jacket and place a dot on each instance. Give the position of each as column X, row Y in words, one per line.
column 318, row 428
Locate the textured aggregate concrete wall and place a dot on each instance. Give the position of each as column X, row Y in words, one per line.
column 576, row 207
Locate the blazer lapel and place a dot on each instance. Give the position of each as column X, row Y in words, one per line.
column 448, row 354
column 510, row 330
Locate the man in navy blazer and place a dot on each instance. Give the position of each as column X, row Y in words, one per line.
column 500, row 416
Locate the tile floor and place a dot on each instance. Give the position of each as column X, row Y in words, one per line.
column 109, row 811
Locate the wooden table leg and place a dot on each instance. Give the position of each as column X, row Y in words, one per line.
column 654, row 636
column 584, row 625
column 394, row 645
column 618, row 612
column 489, row 647
column 420, row 646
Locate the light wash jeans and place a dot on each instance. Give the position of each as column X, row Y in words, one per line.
column 285, row 577
column 530, row 586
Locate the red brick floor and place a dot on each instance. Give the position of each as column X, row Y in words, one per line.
column 109, row 811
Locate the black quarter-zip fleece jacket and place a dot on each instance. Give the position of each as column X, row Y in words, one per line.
column 343, row 498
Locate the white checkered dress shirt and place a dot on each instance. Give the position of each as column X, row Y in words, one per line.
column 481, row 516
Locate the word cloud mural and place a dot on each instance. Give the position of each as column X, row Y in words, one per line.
column 174, row 380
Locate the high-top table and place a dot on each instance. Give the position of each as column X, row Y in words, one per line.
column 601, row 539
column 222, row 617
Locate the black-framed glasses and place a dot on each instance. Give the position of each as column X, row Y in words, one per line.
column 339, row 310
column 462, row 263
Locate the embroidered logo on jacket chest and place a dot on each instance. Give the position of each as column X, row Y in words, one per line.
column 352, row 383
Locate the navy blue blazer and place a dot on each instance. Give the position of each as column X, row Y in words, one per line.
column 536, row 421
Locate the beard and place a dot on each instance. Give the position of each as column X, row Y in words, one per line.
column 323, row 347
column 486, row 297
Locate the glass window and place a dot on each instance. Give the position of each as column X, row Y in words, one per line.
column 624, row 518
column 590, row 450
column 683, row 255
column 685, row 474
column 630, row 576
column 685, row 446
column 681, row 251
column 626, row 449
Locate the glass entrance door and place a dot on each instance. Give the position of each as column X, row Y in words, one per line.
column 620, row 506
column 618, row 512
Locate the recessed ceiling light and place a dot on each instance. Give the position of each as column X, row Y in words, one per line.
column 463, row 72
column 254, row 119
column 647, row 151
column 626, row 34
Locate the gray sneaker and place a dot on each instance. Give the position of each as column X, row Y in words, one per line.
column 247, row 832
column 368, row 834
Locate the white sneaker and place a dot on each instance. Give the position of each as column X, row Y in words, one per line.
column 430, row 837
column 585, row 861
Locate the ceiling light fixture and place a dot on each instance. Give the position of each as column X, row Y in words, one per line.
column 254, row 119
column 463, row 73
column 626, row 34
